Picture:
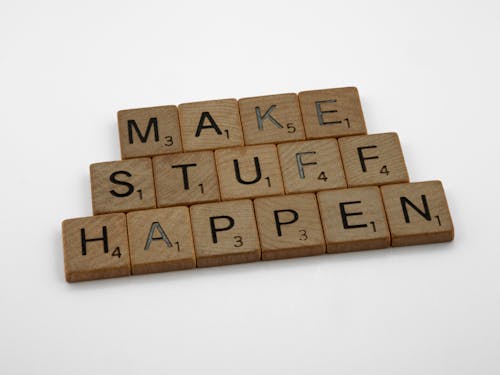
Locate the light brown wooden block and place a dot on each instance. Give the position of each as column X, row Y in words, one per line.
column 95, row 247
column 248, row 172
column 289, row 226
column 149, row 131
column 353, row 219
column 271, row 119
column 225, row 233
column 160, row 240
column 210, row 125
column 311, row 166
column 375, row 159
column 120, row 186
column 417, row 213
column 332, row 113
column 185, row 178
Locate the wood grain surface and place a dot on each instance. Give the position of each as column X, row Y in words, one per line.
column 311, row 166
column 160, row 240
column 289, row 226
column 210, row 125
column 251, row 171
column 375, row 159
column 122, row 186
column 149, row 131
column 271, row 119
column 95, row 247
column 225, row 233
column 417, row 213
column 332, row 113
column 185, row 178
column 353, row 219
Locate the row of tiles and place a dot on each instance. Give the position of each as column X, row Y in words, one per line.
column 239, row 231
column 215, row 124
column 247, row 172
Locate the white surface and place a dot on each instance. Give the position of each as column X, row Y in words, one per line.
column 425, row 69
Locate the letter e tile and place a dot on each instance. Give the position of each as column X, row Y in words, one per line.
column 353, row 219
column 332, row 113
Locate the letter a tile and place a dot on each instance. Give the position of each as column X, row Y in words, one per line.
column 95, row 247
column 160, row 240
column 210, row 125
column 417, row 213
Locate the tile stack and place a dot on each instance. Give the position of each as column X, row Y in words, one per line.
column 232, row 181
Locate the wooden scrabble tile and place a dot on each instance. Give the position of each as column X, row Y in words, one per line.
column 120, row 186
column 225, row 233
column 332, row 113
column 271, row 119
column 210, row 125
column 185, row 178
column 160, row 240
column 251, row 171
column 375, row 159
column 95, row 247
column 311, row 166
column 289, row 226
column 149, row 131
column 353, row 219
column 417, row 213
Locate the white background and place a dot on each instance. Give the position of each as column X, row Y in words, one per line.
column 428, row 70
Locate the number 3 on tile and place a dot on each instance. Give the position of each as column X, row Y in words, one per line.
column 169, row 141
column 238, row 241
column 303, row 235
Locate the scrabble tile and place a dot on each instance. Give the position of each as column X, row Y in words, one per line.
column 271, row 119
column 289, row 226
column 417, row 213
column 251, row 171
column 311, row 166
column 120, row 186
column 332, row 113
column 210, row 125
column 353, row 219
column 149, row 131
column 375, row 159
column 225, row 233
column 95, row 247
column 185, row 178
column 160, row 240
